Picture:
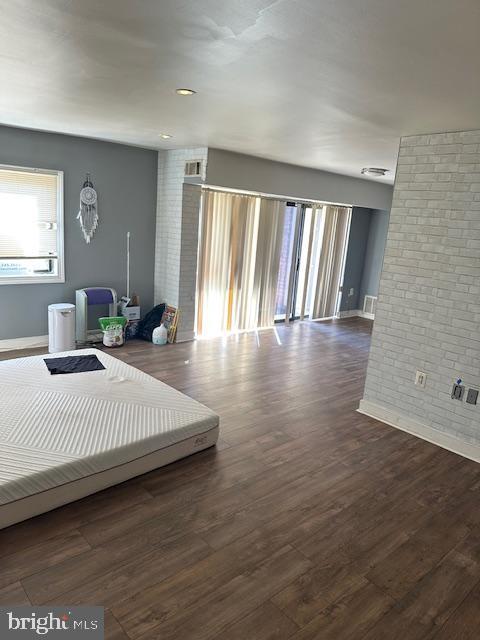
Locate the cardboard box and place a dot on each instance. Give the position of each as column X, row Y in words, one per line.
column 130, row 313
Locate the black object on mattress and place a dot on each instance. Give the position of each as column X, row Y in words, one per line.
column 73, row 364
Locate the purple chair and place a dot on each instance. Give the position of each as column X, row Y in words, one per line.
column 88, row 297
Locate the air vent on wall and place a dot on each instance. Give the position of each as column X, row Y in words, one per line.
column 193, row 168
column 369, row 304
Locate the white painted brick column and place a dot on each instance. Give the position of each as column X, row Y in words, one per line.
column 174, row 239
column 192, row 194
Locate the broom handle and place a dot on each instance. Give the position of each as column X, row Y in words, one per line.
column 128, row 264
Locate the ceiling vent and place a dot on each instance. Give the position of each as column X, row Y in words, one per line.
column 193, row 168
column 375, row 172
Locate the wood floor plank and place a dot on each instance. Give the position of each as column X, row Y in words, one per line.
column 394, row 626
column 463, row 623
column 397, row 573
column 144, row 611
column 41, row 556
column 71, row 516
column 293, row 509
column 50, row 583
column 265, row 623
column 315, row 590
column 348, row 618
column 236, row 598
column 442, row 590
column 13, row 594
column 113, row 630
column 108, row 587
column 433, row 600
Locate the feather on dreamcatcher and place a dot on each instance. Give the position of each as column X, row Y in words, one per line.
column 88, row 214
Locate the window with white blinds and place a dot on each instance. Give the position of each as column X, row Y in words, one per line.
column 31, row 225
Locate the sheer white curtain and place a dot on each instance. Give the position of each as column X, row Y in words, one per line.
column 238, row 264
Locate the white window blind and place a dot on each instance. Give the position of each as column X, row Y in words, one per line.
column 30, row 224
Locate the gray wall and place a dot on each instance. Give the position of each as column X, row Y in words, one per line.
column 126, row 180
column 375, row 249
column 355, row 258
column 363, row 263
column 238, row 171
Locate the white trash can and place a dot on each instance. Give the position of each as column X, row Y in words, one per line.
column 61, row 327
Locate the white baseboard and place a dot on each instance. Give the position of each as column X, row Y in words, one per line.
column 352, row 313
column 368, row 316
column 184, row 336
column 31, row 342
column 421, row 430
column 35, row 342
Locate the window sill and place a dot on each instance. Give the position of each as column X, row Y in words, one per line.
column 13, row 280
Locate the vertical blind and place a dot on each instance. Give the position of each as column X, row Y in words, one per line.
column 330, row 265
column 324, row 242
column 270, row 236
column 239, row 254
column 28, row 213
column 241, row 241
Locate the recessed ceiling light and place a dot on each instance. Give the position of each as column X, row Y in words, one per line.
column 185, row 92
column 165, row 136
column 376, row 172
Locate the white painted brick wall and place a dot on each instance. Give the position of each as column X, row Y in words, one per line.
column 169, row 233
column 428, row 309
column 188, row 260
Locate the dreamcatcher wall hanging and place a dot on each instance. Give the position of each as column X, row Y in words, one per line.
column 88, row 214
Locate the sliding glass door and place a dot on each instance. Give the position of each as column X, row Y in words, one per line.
column 288, row 258
column 263, row 260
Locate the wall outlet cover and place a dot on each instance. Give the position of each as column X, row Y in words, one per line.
column 472, row 396
column 457, row 391
column 421, row 379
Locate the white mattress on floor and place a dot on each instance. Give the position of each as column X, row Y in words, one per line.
column 57, row 429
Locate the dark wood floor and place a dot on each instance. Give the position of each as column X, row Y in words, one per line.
column 309, row 520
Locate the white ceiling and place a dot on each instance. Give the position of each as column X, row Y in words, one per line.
column 330, row 84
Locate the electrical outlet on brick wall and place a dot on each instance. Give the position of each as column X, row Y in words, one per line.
column 458, row 390
column 472, row 396
column 421, row 379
